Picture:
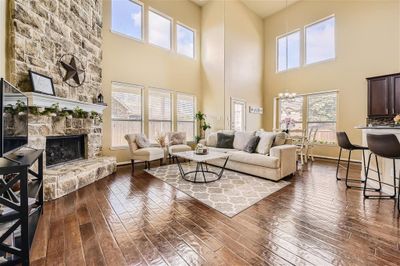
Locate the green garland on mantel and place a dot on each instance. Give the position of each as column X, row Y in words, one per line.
column 54, row 111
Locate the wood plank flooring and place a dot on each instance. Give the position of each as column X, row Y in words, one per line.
column 140, row 220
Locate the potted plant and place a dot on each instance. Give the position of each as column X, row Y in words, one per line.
column 289, row 123
column 203, row 125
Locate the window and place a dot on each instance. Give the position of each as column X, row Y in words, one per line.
column 322, row 116
column 314, row 111
column 185, row 41
column 160, row 112
column 320, row 41
column 288, row 51
column 291, row 113
column 127, row 115
column 185, row 107
column 159, row 30
column 127, row 18
column 238, row 115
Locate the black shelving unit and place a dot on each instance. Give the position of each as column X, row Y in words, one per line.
column 23, row 208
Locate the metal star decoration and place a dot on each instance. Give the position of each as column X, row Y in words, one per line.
column 73, row 70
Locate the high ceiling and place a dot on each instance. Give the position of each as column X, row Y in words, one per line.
column 263, row 8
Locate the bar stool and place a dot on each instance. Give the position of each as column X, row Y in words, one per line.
column 386, row 146
column 345, row 144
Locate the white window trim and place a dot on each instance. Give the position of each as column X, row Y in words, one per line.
column 245, row 112
column 277, row 51
column 194, row 40
column 142, row 26
column 195, row 111
column 172, row 33
column 142, row 88
column 305, row 41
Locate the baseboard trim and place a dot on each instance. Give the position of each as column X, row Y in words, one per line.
column 336, row 158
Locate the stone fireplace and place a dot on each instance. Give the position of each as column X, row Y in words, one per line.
column 39, row 34
column 72, row 146
column 63, row 149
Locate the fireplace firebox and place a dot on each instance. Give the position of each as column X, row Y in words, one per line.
column 62, row 149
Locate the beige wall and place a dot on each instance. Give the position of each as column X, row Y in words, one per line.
column 3, row 29
column 127, row 60
column 232, row 61
column 212, row 63
column 243, row 59
column 367, row 44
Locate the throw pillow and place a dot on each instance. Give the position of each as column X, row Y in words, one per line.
column 241, row 139
column 212, row 139
column 265, row 143
column 225, row 141
column 280, row 139
column 142, row 141
column 252, row 144
column 176, row 138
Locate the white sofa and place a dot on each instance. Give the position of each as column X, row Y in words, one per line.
column 277, row 164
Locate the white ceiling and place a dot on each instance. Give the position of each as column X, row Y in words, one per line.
column 263, row 8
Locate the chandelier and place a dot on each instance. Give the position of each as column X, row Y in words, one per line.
column 287, row 95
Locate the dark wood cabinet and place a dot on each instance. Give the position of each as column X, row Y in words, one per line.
column 384, row 95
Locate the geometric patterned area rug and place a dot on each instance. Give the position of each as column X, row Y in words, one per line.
column 230, row 195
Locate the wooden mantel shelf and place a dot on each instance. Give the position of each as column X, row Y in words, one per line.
column 43, row 100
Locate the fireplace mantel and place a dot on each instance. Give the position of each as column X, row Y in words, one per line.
column 43, row 100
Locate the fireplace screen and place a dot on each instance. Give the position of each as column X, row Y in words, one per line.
column 62, row 149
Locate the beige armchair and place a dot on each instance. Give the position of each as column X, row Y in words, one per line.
column 173, row 148
column 146, row 155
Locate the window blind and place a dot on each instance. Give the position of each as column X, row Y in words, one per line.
column 185, row 107
column 160, row 112
column 127, row 114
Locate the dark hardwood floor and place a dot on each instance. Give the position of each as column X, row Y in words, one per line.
column 140, row 220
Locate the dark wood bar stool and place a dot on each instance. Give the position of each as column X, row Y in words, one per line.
column 386, row 146
column 345, row 144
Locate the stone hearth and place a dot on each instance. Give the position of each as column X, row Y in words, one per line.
column 63, row 179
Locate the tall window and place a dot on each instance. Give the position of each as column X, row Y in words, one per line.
column 322, row 116
column 127, row 18
column 238, row 115
column 185, row 107
column 320, row 40
column 291, row 113
column 288, row 51
column 159, row 30
column 185, row 41
column 160, row 112
column 319, row 110
column 127, row 115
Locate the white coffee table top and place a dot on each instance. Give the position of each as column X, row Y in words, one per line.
column 191, row 155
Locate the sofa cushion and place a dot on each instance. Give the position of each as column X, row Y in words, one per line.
column 265, row 143
column 178, row 148
column 142, row 141
column 225, row 140
column 252, row 144
column 212, row 139
column 280, row 139
column 148, row 154
column 176, row 138
column 254, row 159
column 241, row 139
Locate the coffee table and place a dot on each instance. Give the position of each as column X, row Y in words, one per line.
column 201, row 166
